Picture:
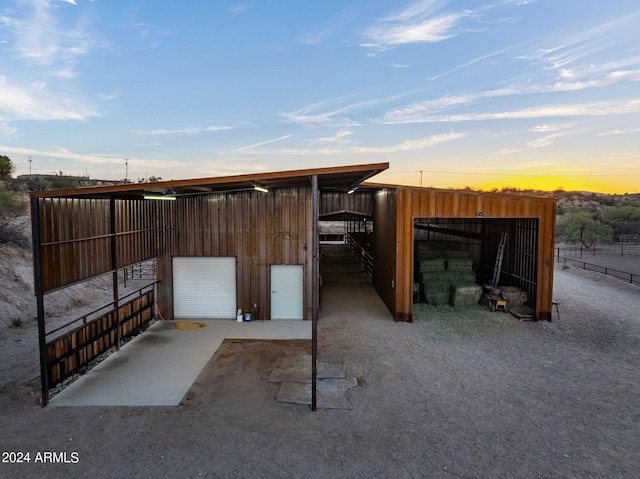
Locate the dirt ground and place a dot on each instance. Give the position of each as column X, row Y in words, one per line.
column 456, row 394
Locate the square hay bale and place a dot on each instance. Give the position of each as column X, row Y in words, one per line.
column 431, row 265
column 431, row 286
column 457, row 264
column 429, row 254
column 438, row 244
column 435, row 277
column 454, row 245
column 456, row 254
column 455, row 277
column 438, row 298
column 465, row 294
column 513, row 295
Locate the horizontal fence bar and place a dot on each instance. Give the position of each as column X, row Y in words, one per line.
column 72, row 351
column 623, row 275
column 125, row 300
column 619, row 249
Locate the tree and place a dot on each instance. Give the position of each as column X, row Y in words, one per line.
column 6, row 167
column 582, row 228
column 622, row 219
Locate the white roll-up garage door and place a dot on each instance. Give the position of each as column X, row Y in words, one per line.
column 204, row 287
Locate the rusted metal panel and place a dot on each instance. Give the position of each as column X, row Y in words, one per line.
column 257, row 229
column 333, row 204
column 75, row 238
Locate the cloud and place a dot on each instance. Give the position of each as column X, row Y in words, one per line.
column 415, row 112
column 408, row 145
column 184, row 131
column 606, row 108
column 40, row 38
column 339, row 137
column 61, row 153
column 337, row 117
column 334, row 118
column 623, row 131
column 255, row 145
column 419, row 23
column 36, row 101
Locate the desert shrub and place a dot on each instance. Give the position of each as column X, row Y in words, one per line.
column 12, row 207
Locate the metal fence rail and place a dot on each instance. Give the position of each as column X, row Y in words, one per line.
column 620, row 249
column 623, row 275
column 365, row 258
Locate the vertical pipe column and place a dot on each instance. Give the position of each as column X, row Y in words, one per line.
column 37, row 278
column 114, row 268
column 315, row 295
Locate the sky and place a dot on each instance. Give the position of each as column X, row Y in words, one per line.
column 541, row 94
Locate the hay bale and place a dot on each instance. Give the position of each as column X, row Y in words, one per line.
column 438, row 298
column 430, row 265
column 436, row 286
column 465, row 294
column 460, row 264
column 456, row 254
column 429, row 254
column 513, row 295
column 438, row 244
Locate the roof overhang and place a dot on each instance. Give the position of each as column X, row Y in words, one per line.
column 339, row 179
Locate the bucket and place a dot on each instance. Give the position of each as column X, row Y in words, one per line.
column 248, row 317
column 239, row 316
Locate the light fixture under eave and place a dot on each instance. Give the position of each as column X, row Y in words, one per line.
column 260, row 188
column 352, row 191
column 159, row 197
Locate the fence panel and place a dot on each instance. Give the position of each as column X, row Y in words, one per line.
column 71, row 352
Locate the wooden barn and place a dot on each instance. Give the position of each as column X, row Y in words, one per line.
column 478, row 222
column 224, row 243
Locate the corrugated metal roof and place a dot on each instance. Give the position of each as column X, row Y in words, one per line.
column 340, row 178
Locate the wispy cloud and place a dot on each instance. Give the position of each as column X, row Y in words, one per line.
column 45, row 52
column 332, row 118
column 421, row 22
column 323, row 113
column 36, row 101
column 561, row 110
column 416, row 112
column 196, row 130
column 620, row 131
column 39, row 37
column 575, row 46
column 61, row 153
column 340, row 137
column 262, row 143
column 337, row 149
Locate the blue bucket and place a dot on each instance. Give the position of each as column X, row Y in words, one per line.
column 248, row 317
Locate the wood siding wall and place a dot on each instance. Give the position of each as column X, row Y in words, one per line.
column 76, row 237
column 414, row 203
column 360, row 203
column 258, row 229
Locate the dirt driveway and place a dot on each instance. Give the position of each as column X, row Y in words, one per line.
column 459, row 394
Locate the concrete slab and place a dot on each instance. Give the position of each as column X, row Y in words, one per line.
column 158, row 367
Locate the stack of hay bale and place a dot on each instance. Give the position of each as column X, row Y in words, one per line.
column 446, row 274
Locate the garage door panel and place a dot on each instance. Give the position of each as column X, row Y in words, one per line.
column 204, row 287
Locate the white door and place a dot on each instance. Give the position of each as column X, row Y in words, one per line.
column 204, row 287
column 287, row 286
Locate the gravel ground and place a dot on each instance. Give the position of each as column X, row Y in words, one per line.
column 459, row 393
